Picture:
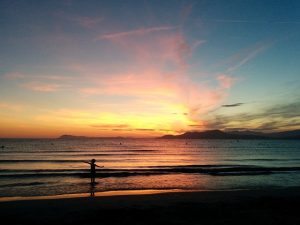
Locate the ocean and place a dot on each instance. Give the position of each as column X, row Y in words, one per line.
column 42, row 167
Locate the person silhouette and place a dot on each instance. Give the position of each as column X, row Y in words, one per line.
column 93, row 170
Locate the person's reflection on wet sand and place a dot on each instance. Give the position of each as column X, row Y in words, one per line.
column 92, row 191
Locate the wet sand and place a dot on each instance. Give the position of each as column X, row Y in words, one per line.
column 276, row 206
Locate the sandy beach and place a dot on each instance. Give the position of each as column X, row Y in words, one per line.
column 276, row 206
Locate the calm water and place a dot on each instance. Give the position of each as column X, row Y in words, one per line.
column 50, row 167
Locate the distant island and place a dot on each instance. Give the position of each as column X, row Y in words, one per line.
column 69, row 137
column 218, row 134
column 211, row 134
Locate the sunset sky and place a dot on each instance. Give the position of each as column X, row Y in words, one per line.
column 147, row 68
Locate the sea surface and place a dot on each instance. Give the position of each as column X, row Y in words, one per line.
column 38, row 167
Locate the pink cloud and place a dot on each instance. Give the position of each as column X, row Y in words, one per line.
column 41, row 87
column 226, row 81
column 156, row 50
column 158, row 77
column 155, row 78
column 22, row 76
column 14, row 75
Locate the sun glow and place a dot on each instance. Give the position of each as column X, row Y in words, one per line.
column 95, row 77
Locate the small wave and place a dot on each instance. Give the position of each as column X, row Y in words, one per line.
column 41, row 170
column 22, row 184
column 210, row 169
column 100, row 151
column 240, row 173
column 221, row 170
column 49, row 160
column 267, row 160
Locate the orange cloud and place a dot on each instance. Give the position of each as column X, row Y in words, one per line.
column 110, row 126
column 11, row 106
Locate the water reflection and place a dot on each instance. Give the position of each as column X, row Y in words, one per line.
column 92, row 190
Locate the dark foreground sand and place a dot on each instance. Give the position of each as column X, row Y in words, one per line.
column 281, row 206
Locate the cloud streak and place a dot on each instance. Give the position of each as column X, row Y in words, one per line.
column 233, row 105
column 41, row 87
column 136, row 32
column 242, row 57
column 252, row 21
column 246, row 55
column 110, row 126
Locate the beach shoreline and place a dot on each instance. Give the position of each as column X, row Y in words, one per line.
column 95, row 194
column 266, row 206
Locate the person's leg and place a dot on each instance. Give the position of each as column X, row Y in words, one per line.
column 92, row 178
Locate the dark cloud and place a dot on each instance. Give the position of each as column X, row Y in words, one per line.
column 285, row 111
column 180, row 114
column 144, row 129
column 283, row 116
column 196, row 125
column 109, row 125
column 165, row 130
column 120, row 129
column 233, row 105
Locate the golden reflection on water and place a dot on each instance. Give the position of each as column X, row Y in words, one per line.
column 95, row 194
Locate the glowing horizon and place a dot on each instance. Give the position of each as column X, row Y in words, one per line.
column 101, row 72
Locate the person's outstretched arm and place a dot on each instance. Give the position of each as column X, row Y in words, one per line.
column 87, row 162
column 99, row 166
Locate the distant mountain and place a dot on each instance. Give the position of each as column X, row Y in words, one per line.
column 210, row 134
column 247, row 133
column 69, row 137
column 293, row 134
column 66, row 136
column 217, row 134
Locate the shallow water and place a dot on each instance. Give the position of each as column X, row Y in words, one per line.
column 56, row 166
